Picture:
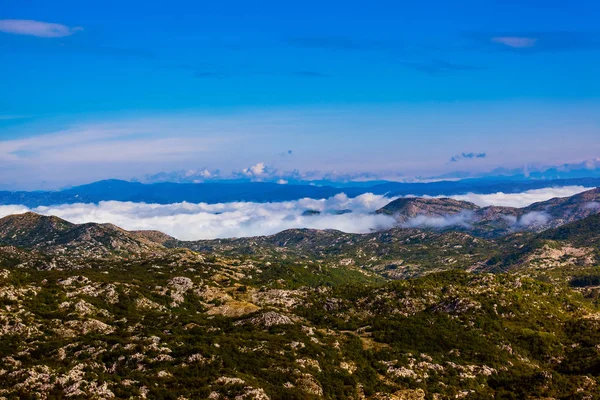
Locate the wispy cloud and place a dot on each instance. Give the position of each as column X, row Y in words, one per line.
column 467, row 218
column 467, row 156
column 593, row 205
column 464, row 219
column 37, row 28
column 535, row 42
column 534, row 218
column 515, row 41
column 127, row 141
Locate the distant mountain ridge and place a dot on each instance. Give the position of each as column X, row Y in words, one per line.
column 166, row 193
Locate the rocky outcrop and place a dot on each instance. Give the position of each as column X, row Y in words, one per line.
column 268, row 319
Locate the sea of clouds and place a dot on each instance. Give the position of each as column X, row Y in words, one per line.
column 189, row 221
column 520, row 199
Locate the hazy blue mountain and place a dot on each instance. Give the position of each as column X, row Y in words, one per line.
column 165, row 193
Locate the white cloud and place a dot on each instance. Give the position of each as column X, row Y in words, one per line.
column 592, row 164
column 131, row 142
column 58, row 152
column 463, row 219
column 256, row 170
column 534, row 218
column 36, row 28
column 261, row 172
column 592, row 205
column 516, row 42
column 183, row 176
column 520, row 199
column 206, row 221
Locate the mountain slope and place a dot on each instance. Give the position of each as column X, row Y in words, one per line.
column 585, row 232
column 576, row 244
column 296, row 315
column 396, row 253
column 568, row 209
column 492, row 221
column 57, row 236
column 30, row 229
column 219, row 330
column 154, row 236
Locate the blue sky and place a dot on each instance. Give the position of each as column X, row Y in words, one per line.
column 123, row 89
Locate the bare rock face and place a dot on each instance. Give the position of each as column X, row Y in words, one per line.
column 181, row 283
column 278, row 297
column 268, row 319
column 308, row 384
column 233, row 309
column 178, row 286
column 154, row 236
column 405, row 394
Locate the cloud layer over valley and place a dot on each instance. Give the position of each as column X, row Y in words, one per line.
column 188, row 221
column 522, row 199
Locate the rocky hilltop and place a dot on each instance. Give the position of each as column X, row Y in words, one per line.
column 53, row 235
column 406, row 208
column 492, row 221
column 568, row 209
column 154, row 236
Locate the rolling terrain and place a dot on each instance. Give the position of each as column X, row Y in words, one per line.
column 95, row 311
